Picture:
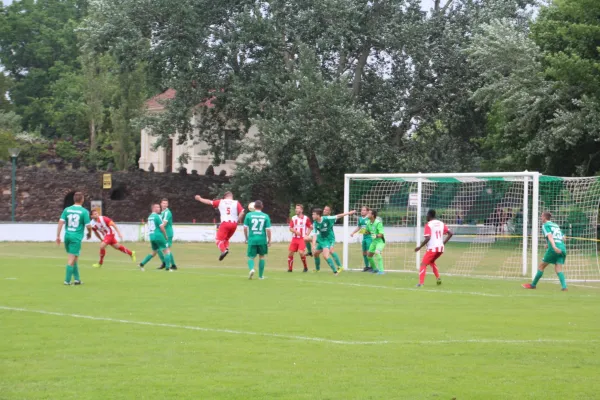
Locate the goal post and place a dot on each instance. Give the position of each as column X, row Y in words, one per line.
column 495, row 218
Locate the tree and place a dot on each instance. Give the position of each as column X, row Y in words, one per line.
column 38, row 44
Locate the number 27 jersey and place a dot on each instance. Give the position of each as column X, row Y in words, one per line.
column 257, row 223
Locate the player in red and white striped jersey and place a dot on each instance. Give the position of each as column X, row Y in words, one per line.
column 300, row 226
column 105, row 229
column 231, row 212
column 435, row 230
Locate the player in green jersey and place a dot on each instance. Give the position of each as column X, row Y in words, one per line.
column 167, row 218
column 556, row 252
column 336, row 258
column 77, row 220
column 158, row 238
column 375, row 229
column 257, row 229
column 323, row 238
column 361, row 228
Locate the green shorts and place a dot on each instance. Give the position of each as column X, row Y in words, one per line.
column 551, row 257
column 324, row 244
column 377, row 246
column 73, row 246
column 159, row 245
column 366, row 243
column 257, row 250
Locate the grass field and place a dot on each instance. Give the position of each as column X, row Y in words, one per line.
column 206, row 332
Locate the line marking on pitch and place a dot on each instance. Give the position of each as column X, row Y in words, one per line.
column 295, row 337
column 196, row 328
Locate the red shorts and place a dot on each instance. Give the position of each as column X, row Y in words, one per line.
column 297, row 244
column 430, row 257
column 226, row 230
column 110, row 240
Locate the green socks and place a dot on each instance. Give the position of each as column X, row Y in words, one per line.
column 336, row 259
column 538, row 276
column 172, row 258
column 69, row 274
column 366, row 261
column 561, row 278
column 146, row 260
column 379, row 260
column 309, row 247
column 330, row 262
column 162, row 257
column 76, row 272
column 167, row 260
column 261, row 267
column 250, row 264
column 372, row 263
column 318, row 263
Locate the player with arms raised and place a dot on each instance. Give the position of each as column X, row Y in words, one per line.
column 556, row 252
column 361, row 228
column 323, row 237
column 105, row 229
column 300, row 226
column 435, row 230
column 77, row 220
column 231, row 212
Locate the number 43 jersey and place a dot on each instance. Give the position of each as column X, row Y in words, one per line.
column 257, row 223
column 76, row 218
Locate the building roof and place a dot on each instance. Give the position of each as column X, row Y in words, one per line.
column 156, row 103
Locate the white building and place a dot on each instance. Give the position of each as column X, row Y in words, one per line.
column 166, row 160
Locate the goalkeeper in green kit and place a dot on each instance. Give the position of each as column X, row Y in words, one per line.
column 375, row 229
column 555, row 254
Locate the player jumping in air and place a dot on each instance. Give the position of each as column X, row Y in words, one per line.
column 300, row 226
column 556, row 253
column 231, row 212
column 167, row 218
column 158, row 238
column 104, row 228
column 366, row 239
column 336, row 258
column 323, row 238
column 76, row 218
column 257, row 229
column 434, row 239
column 375, row 230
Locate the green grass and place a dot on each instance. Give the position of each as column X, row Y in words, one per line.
column 209, row 333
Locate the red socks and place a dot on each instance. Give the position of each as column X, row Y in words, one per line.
column 303, row 258
column 422, row 273
column 222, row 245
column 102, row 254
column 290, row 263
column 435, row 271
column 125, row 250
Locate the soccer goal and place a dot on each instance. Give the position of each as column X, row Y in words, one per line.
column 495, row 218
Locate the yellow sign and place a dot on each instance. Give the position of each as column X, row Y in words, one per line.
column 96, row 205
column 106, row 181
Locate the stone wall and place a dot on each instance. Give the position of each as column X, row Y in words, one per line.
column 43, row 193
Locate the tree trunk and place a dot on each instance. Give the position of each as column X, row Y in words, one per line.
column 313, row 165
column 360, row 66
column 92, row 135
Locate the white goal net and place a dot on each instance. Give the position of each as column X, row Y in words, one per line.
column 494, row 216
